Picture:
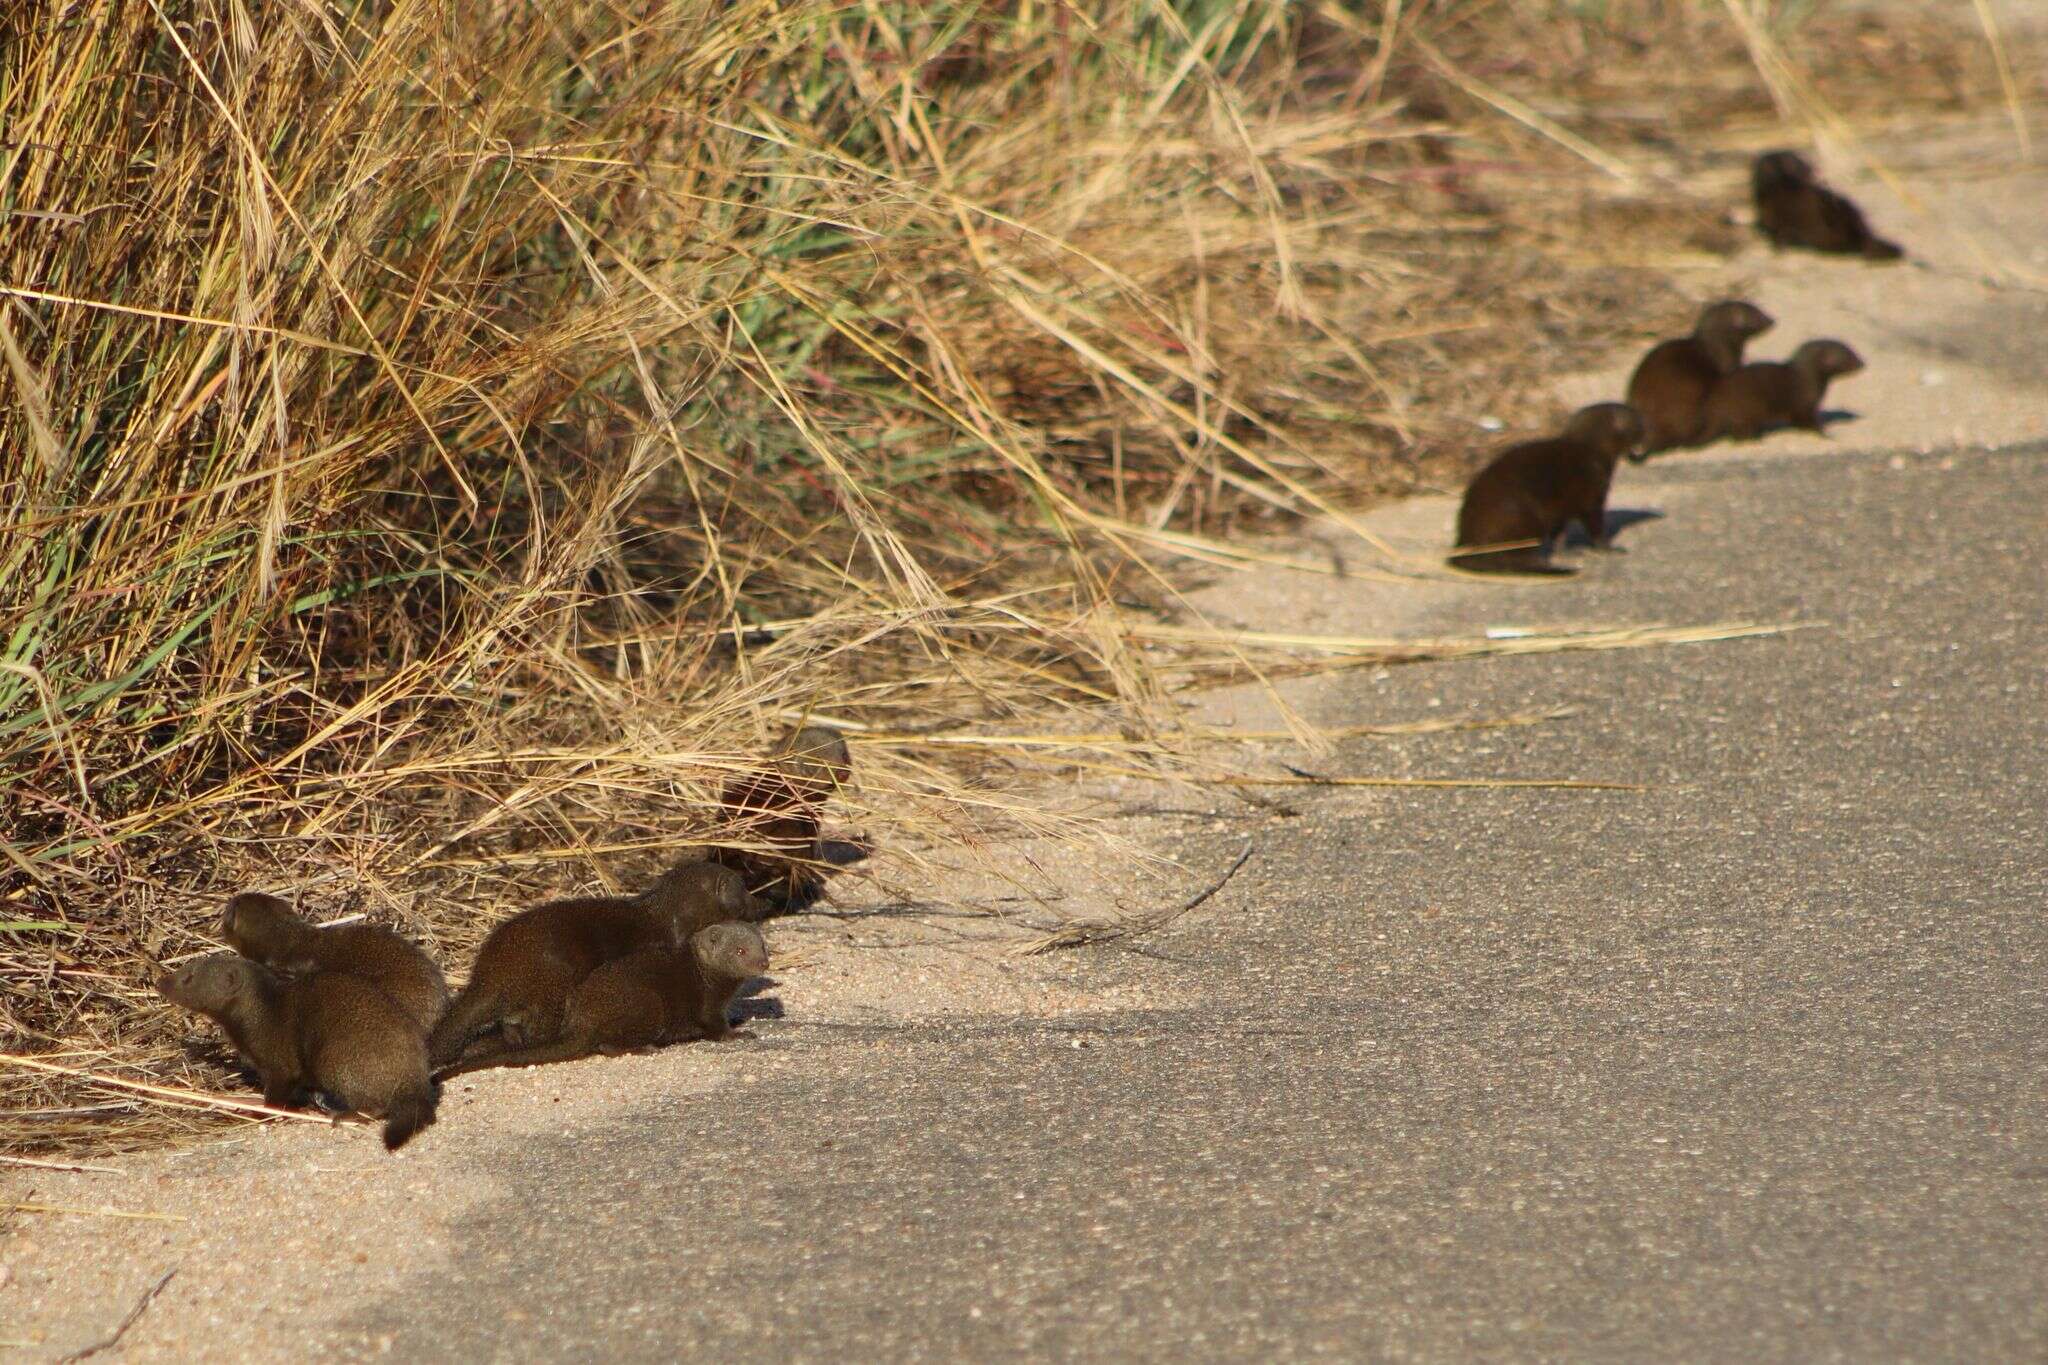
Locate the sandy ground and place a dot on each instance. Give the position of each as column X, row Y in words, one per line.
column 274, row 1235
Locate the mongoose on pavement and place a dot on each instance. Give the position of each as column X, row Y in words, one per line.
column 1534, row 490
column 1794, row 209
column 267, row 930
column 1765, row 395
column 648, row 998
column 780, row 807
column 330, row 1032
column 528, row 965
column 1670, row 386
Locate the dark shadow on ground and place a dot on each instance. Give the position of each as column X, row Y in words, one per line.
column 1619, row 519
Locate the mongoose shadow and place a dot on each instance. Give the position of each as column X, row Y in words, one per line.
column 753, row 1001
column 837, row 853
column 1619, row 519
column 220, row 1053
column 211, row 1051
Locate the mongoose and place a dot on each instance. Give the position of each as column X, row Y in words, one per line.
column 528, row 965
column 647, row 998
column 1534, row 490
column 696, row 894
column 1765, row 395
column 1670, row 386
column 330, row 1032
column 1794, row 209
column 780, row 806
column 267, row 930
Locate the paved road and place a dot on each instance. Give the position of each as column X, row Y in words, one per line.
column 1747, row 1066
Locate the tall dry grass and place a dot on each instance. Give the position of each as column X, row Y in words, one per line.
column 442, row 441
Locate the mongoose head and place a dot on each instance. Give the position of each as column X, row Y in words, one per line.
column 1735, row 320
column 734, row 952
column 817, row 761
column 1827, row 359
column 212, row 984
column 260, row 926
column 1778, row 170
column 694, row 885
column 1609, row 430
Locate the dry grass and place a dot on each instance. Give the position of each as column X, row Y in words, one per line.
column 438, row 451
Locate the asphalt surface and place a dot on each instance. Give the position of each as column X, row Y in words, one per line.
column 1746, row 1065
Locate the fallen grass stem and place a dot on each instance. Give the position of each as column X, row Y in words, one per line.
column 60, row 1166
column 113, row 1339
column 164, row 1094
column 83, row 1212
column 1087, row 933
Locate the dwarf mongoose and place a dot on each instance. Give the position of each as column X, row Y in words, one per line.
column 267, row 930
column 527, row 967
column 697, row 894
column 780, row 807
column 1534, row 490
column 330, row 1032
column 1765, row 395
column 1794, row 209
column 645, row 999
column 1670, row 386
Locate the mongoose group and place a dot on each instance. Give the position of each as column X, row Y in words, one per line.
column 359, row 1017
column 1686, row 392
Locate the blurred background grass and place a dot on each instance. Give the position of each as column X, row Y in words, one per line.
column 440, row 443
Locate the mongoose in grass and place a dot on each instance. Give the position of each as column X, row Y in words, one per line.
column 1766, row 395
column 1670, row 386
column 1794, row 209
column 780, row 807
column 527, row 967
column 1534, row 490
column 648, row 998
column 267, row 930
column 330, row 1032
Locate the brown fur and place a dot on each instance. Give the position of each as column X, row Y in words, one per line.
column 780, row 807
column 1534, row 490
column 697, row 894
column 527, row 968
column 648, row 998
column 1766, row 395
column 330, row 1032
column 1794, row 209
column 1670, row 386
column 265, row 929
